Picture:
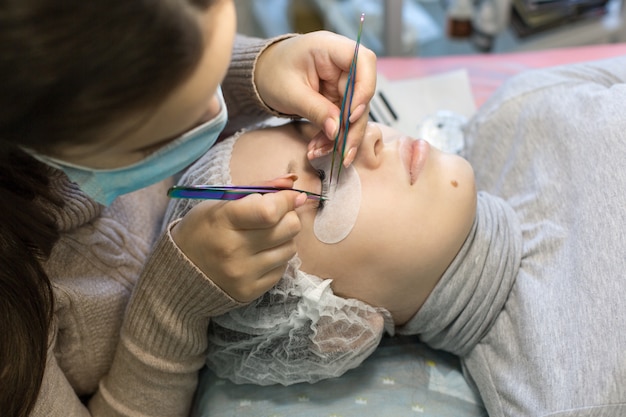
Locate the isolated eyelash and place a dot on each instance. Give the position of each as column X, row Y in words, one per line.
column 322, row 176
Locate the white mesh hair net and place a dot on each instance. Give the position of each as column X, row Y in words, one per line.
column 299, row 331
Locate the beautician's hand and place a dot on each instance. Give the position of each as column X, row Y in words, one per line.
column 243, row 245
column 306, row 76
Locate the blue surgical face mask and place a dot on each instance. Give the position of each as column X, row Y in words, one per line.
column 105, row 185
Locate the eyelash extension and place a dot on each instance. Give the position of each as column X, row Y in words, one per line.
column 322, row 176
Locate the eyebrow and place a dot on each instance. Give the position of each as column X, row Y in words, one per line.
column 291, row 167
column 299, row 125
column 300, row 168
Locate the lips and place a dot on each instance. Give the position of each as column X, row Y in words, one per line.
column 413, row 153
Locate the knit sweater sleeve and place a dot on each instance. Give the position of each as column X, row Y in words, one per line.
column 245, row 106
column 163, row 339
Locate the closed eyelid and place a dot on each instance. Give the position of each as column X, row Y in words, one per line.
column 306, row 175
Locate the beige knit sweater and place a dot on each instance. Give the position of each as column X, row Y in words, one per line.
column 131, row 314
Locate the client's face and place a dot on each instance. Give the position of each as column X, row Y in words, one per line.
column 417, row 205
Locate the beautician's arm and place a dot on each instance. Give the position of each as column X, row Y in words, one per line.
column 245, row 107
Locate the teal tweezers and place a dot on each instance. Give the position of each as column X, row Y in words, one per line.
column 224, row 192
column 349, row 91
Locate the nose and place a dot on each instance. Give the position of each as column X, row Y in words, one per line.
column 369, row 153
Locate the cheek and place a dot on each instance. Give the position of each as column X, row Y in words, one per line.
column 398, row 221
column 307, row 245
column 318, row 258
column 454, row 185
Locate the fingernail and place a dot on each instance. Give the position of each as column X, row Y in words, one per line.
column 326, row 150
column 314, row 153
column 301, row 199
column 318, row 152
column 291, row 176
column 330, row 127
column 357, row 113
column 349, row 158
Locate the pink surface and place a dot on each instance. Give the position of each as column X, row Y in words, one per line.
column 487, row 72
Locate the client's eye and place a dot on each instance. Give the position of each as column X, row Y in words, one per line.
column 322, row 176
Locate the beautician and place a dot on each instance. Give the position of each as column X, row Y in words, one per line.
column 102, row 102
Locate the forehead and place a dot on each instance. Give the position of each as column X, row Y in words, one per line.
column 267, row 153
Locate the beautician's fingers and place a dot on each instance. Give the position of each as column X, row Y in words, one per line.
column 306, row 76
column 319, row 145
column 258, row 212
column 357, row 127
column 241, row 244
column 266, row 260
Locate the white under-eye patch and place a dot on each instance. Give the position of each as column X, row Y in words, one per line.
column 335, row 220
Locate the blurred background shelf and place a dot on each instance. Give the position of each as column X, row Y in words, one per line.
column 417, row 27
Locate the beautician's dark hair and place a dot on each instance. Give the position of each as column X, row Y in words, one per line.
column 67, row 69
